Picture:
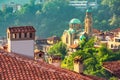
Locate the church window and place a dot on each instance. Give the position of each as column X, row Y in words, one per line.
column 8, row 35
column 66, row 39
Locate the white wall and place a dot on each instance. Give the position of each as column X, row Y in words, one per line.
column 24, row 47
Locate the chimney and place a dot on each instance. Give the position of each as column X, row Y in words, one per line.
column 39, row 55
column 55, row 60
column 78, row 64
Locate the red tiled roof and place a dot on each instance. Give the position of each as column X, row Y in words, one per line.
column 74, row 46
column 116, row 30
column 113, row 67
column 17, row 67
column 21, row 29
column 96, row 31
column 53, row 38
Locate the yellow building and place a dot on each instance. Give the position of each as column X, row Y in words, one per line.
column 71, row 36
column 115, row 43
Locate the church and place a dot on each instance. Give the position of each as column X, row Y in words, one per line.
column 74, row 34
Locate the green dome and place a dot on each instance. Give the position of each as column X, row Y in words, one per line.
column 75, row 21
column 71, row 31
column 89, row 10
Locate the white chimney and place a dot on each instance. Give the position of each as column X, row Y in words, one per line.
column 21, row 40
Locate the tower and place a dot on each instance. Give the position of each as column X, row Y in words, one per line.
column 88, row 22
column 21, row 40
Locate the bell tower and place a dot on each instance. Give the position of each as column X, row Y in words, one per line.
column 88, row 22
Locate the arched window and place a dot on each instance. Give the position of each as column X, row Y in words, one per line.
column 8, row 35
column 67, row 39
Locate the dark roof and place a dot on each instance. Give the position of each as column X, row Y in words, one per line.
column 113, row 67
column 21, row 29
column 116, row 30
column 53, row 38
column 96, row 30
column 17, row 67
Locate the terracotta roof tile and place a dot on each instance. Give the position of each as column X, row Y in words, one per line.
column 17, row 67
column 53, row 38
column 113, row 67
column 21, row 29
column 74, row 46
column 96, row 31
column 116, row 30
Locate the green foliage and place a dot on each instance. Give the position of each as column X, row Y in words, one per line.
column 92, row 59
column 113, row 78
column 58, row 49
column 67, row 63
column 115, row 9
column 52, row 17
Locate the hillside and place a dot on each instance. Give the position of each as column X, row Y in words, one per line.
column 52, row 18
column 15, row 1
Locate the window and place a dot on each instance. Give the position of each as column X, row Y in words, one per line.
column 117, row 40
column 119, row 47
column 111, row 45
column 30, row 35
column 67, row 39
column 19, row 35
column 25, row 35
column 14, row 35
column 8, row 35
column 40, row 55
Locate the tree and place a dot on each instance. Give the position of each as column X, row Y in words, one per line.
column 58, row 49
column 114, row 9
